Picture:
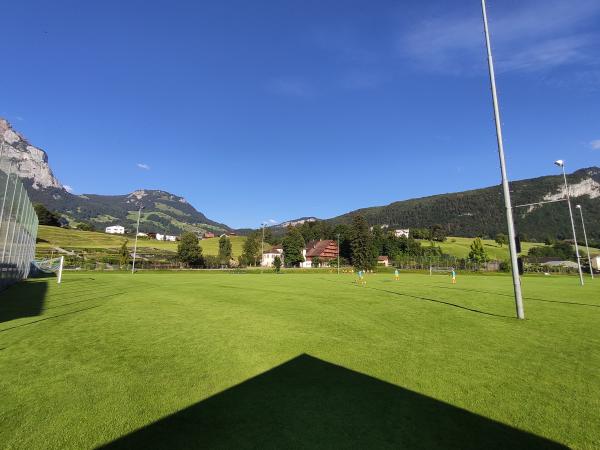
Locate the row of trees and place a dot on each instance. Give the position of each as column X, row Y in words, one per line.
column 359, row 244
column 189, row 252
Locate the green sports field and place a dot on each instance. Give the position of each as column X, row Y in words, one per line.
column 220, row 360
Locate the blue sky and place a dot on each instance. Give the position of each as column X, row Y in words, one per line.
column 273, row 110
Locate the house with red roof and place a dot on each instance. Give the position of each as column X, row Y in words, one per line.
column 322, row 251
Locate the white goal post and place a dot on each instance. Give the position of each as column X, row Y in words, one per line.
column 54, row 265
column 435, row 269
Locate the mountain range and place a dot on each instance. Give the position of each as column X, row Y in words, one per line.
column 162, row 211
column 469, row 213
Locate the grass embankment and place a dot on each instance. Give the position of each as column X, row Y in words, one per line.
column 199, row 360
column 51, row 237
column 461, row 246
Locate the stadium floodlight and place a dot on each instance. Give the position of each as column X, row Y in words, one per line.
column 338, row 252
column 507, row 203
column 262, row 245
column 560, row 163
column 587, row 248
column 137, row 231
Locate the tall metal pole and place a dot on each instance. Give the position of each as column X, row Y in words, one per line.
column 137, row 230
column 505, row 188
column 262, row 245
column 561, row 164
column 338, row 255
column 587, row 248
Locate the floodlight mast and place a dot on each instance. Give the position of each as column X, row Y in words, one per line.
column 338, row 253
column 505, row 188
column 137, row 231
column 587, row 247
column 560, row 163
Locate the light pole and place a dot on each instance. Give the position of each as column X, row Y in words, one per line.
column 338, row 255
column 560, row 163
column 507, row 204
column 262, row 245
column 137, row 230
column 587, row 248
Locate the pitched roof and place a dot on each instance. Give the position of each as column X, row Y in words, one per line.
column 317, row 248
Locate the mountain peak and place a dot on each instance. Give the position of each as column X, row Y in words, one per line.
column 24, row 159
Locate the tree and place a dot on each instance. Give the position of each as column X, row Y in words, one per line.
column 293, row 244
column 316, row 261
column 251, row 250
column 45, row 216
column 501, row 239
column 124, row 254
column 437, row 233
column 189, row 250
column 361, row 244
column 86, row 226
column 224, row 249
column 478, row 253
column 277, row 264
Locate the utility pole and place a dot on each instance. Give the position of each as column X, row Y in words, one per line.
column 262, row 245
column 137, row 230
column 560, row 163
column 338, row 255
column 587, row 248
column 507, row 203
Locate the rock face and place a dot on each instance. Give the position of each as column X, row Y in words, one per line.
column 25, row 159
column 163, row 212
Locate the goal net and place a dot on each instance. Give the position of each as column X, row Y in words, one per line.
column 438, row 269
column 54, row 265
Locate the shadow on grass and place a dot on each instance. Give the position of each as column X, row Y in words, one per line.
column 310, row 403
column 433, row 300
column 22, row 300
column 511, row 295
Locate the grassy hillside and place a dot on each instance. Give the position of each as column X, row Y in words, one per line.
column 460, row 247
column 49, row 237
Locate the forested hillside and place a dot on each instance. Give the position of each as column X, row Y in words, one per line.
column 481, row 211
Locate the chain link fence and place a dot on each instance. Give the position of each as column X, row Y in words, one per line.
column 18, row 225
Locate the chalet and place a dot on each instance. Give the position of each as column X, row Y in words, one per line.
column 208, row 235
column 115, row 229
column 325, row 251
column 268, row 257
column 383, row 261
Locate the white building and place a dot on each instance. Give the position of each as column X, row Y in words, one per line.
column 140, row 234
column 165, row 237
column 115, row 229
column 402, row 232
column 268, row 257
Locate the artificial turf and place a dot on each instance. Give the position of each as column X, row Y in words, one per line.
column 209, row 360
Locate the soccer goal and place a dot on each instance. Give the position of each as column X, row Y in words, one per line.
column 54, row 265
column 438, row 269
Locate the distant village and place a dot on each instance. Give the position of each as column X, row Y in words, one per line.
column 119, row 229
column 318, row 253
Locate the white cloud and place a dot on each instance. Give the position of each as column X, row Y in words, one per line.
column 19, row 118
column 68, row 188
column 595, row 144
column 143, row 166
column 534, row 36
column 272, row 221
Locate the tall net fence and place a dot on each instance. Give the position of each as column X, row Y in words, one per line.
column 18, row 226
